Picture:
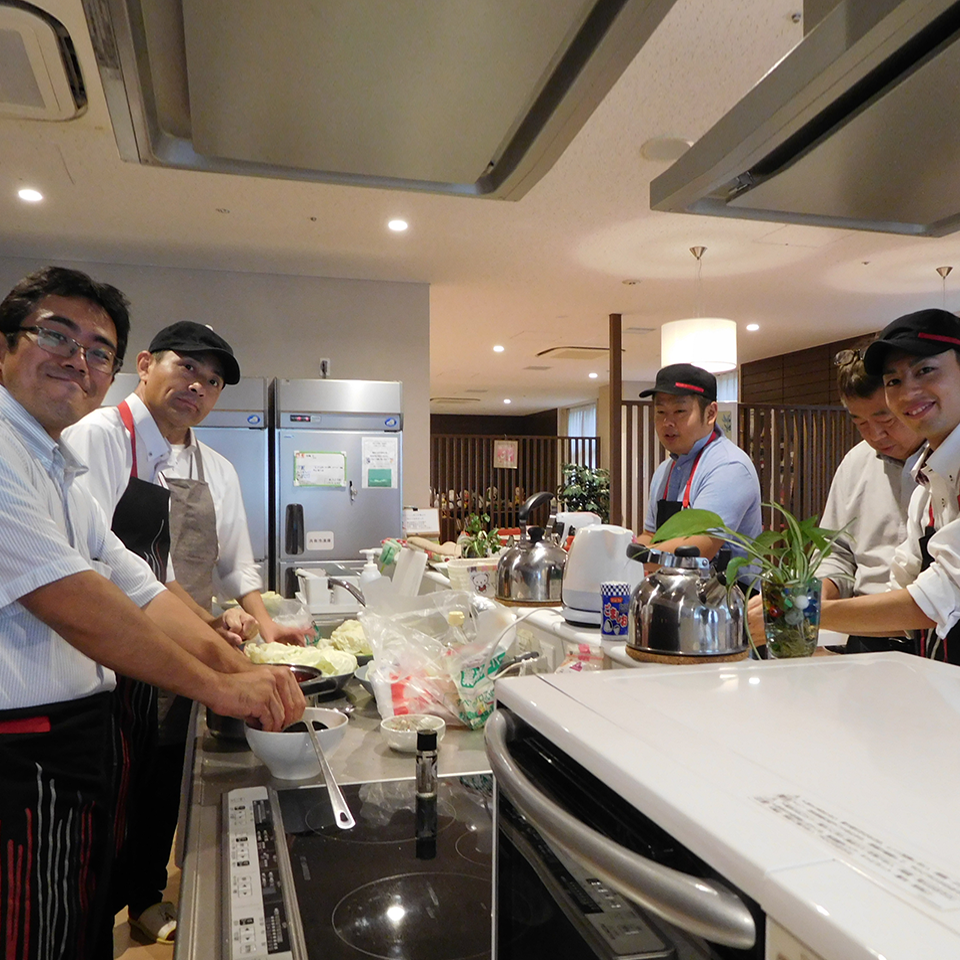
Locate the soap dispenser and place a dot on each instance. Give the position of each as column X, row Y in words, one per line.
column 369, row 573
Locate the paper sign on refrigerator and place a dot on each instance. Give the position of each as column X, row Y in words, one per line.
column 380, row 457
column 312, row 468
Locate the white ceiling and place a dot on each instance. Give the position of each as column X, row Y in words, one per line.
column 541, row 272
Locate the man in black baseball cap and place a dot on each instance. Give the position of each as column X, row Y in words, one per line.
column 170, row 495
column 684, row 379
column 185, row 336
column 918, row 356
column 704, row 470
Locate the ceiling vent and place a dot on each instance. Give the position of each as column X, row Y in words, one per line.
column 457, row 400
column 458, row 97
column 39, row 75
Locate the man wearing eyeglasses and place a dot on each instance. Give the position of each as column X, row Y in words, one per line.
column 871, row 492
column 75, row 606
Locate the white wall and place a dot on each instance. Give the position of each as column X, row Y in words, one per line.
column 281, row 326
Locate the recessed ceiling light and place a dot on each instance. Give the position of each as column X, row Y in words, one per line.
column 398, row 226
column 31, row 196
column 593, row 376
column 753, row 326
column 507, row 400
column 665, row 149
column 498, row 348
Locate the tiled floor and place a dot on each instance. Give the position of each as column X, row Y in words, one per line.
column 129, row 944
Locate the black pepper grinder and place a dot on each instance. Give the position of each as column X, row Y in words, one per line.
column 426, row 794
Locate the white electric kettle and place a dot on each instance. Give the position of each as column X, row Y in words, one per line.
column 598, row 554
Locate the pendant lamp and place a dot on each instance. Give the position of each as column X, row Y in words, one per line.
column 708, row 342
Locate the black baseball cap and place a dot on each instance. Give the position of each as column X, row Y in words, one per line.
column 185, row 336
column 922, row 334
column 684, row 378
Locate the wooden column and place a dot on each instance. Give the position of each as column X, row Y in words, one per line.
column 616, row 406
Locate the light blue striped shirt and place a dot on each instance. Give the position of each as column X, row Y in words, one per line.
column 50, row 529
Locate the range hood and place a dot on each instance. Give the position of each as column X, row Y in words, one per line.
column 456, row 96
column 857, row 127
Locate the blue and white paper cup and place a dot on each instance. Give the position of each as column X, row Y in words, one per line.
column 615, row 607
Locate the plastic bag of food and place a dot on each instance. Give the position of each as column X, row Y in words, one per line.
column 423, row 663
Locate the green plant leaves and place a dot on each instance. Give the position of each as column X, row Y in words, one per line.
column 787, row 556
column 689, row 523
column 585, row 489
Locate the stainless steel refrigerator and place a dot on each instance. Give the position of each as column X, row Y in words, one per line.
column 337, row 448
column 237, row 428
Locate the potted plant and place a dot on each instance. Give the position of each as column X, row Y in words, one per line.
column 585, row 489
column 476, row 540
column 785, row 562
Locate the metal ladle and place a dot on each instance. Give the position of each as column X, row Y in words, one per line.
column 341, row 812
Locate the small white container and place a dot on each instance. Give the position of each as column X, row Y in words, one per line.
column 400, row 732
column 290, row 756
column 476, row 574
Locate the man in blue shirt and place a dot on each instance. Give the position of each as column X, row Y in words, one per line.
column 704, row 470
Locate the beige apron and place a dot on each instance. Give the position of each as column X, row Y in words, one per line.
column 194, row 546
column 195, row 549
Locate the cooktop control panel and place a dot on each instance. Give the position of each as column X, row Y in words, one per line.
column 254, row 913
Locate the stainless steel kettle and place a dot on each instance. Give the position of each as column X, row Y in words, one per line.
column 531, row 571
column 682, row 610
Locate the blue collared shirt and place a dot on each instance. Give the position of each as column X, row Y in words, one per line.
column 51, row 530
column 725, row 482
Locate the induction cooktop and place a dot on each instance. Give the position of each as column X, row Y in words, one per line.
column 375, row 890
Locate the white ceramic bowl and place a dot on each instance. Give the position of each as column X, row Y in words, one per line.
column 361, row 674
column 290, row 756
column 401, row 732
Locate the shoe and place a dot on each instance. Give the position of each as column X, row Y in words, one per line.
column 157, row 923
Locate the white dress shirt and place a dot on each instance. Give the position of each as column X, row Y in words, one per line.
column 872, row 493
column 51, row 529
column 936, row 590
column 103, row 441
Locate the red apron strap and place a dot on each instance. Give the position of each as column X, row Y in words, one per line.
column 127, row 417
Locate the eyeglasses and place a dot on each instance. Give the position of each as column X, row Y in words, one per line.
column 101, row 359
column 847, row 356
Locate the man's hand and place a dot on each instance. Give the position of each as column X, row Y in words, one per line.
column 275, row 633
column 266, row 695
column 235, row 625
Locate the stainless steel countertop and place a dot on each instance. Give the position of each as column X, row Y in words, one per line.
column 221, row 765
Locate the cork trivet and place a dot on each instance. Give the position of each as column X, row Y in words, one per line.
column 644, row 656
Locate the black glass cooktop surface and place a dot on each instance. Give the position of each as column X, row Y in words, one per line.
column 375, row 890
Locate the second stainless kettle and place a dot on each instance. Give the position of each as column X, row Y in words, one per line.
column 531, row 571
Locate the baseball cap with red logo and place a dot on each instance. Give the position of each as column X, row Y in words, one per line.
column 680, row 379
column 921, row 334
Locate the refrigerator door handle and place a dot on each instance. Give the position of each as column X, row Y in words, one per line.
column 293, row 529
column 353, row 492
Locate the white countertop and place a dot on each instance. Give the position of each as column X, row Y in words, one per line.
column 817, row 786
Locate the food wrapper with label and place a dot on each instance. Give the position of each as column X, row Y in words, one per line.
column 425, row 661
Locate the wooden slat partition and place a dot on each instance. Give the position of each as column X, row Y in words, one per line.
column 463, row 479
column 796, row 450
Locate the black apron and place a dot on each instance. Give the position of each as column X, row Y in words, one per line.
column 931, row 644
column 55, row 816
column 142, row 521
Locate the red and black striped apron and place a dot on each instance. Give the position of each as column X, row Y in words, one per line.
column 55, row 830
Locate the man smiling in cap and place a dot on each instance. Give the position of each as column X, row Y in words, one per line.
column 704, row 470
column 171, row 496
column 917, row 356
